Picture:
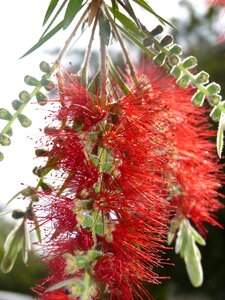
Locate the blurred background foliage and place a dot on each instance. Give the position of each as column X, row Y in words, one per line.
column 198, row 34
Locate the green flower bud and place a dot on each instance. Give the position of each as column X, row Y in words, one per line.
column 159, row 59
column 24, row 121
column 174, row 60
column 77, row 126
column 45, row 67
column 41, row 98
column 189, row 62
column 30, row 80
column 166, row 40
column 41, row 152
column 4, row 140
column 34, row 198
column 16, row 104
column 49, row 86
column 5, row 114
column 183, row 81
column 157, row 30
column 18, row 214
column 213, row 88
column 1, row 156
column 214, row 99
column 27, row 192
column 215, row 114
column 202, row 77
column 24, row 96
column 176, row 72
column 176, row 49
column 198, row 98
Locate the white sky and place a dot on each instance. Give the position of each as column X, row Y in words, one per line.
column 20, row 28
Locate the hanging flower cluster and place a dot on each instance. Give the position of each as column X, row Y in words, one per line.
column 124, row 166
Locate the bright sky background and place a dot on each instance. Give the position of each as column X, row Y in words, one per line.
column 20, row 28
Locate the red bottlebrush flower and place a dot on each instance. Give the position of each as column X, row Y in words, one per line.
column 55, row 296
column 216, row 2
column 84, row 240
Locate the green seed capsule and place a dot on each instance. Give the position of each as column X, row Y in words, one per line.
column 213, row 88
column 18, row 214
column 189, row 62
column 214, row 99
column 4, row 140
column 49, row 86
column 183, row 81
column 9, row 132
column 24, row 96
column 215, row 114
column 24, row 121
column 157, row 30
column 174, row 60
column 198, row 98
column 159, row 59
column 202, row 77
column 41, row 98
column 45, row 67
column 16, row 104
column 5, row 114
column 27, row 192
column 166, row 40
column 30, row 80
column 176, row 72
column 176, row 49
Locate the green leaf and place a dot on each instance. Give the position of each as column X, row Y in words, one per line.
column 61, row 284
column 127, row 22
column 198, row 238
column 147, row 7
column 131, row 12
column 44, row 39
column 54, row 18
column 12, row 247
column 72, row 9
column 220, row 135
column 51, row 7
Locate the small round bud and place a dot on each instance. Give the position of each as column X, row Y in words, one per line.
column 1, row 156
column 4, row 140
column 159, row 59
column 202, row 77
column 30, row 80
column 214, row 99
column 16, row 104
column 45, row 67
column 49, row 86
column 24, row 96
column 5, row 114
column 176, row 72
column 174, row 60
column 198, row 98
column 176, row 49
column 18, row 214
column 166, row 40
column 157, row 30
column 183, row 81
column 41, row 152
column 189, row 62
column 215, row 114
column 41, row 98
column 24, row 121
column 27, row 192
column 213, row 88
column 148, row 41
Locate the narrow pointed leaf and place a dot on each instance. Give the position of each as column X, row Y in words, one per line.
column 54, row 18
column 51, row 7
column 131, row 12
column 60, row 284
column 72, row 9
column 147, row 7
column 220, row 135
column 26, row 243
column 44, row 39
